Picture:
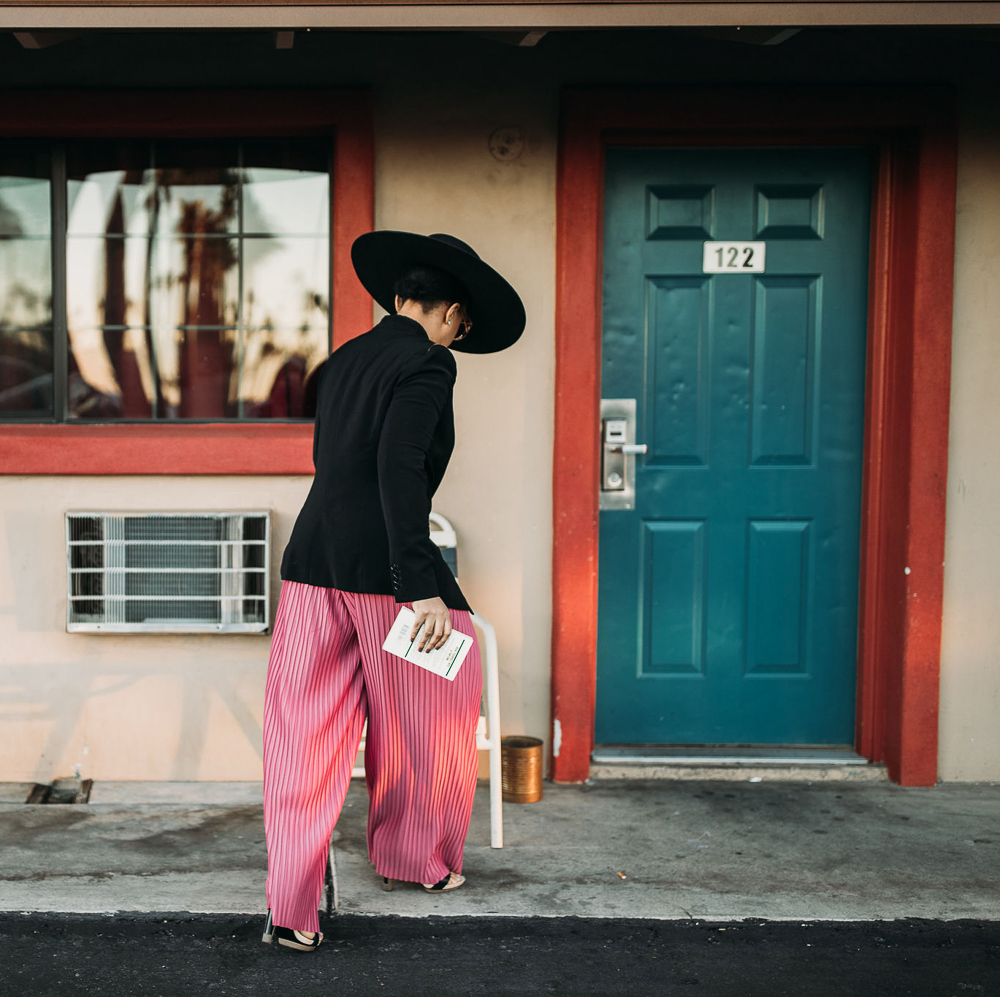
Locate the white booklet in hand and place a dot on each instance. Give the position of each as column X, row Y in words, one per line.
column 444, row 661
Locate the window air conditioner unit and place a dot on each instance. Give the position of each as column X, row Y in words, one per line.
column 168, row 572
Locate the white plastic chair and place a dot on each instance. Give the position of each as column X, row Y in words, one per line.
column 488, row 727
column 488, row 734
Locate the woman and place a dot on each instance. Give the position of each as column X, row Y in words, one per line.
column 360, row 548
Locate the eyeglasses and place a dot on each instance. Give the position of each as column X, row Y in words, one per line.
column 465, row 330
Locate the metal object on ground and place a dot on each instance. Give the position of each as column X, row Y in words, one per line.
column 521, row 758
column 70, row 790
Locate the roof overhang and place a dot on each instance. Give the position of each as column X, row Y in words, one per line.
column 483, row 16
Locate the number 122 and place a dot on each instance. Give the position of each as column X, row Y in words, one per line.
column 733, row 261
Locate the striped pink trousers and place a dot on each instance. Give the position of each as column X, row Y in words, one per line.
column 327, row 674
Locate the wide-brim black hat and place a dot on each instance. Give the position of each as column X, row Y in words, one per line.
column 495, row 308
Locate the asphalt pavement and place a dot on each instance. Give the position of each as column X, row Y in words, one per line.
column 177, row 956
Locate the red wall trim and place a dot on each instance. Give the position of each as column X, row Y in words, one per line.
column 148, row 448
column 259, row 448
column 922, row 341
column 907, row 399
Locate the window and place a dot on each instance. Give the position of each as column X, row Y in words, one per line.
column 163, row 280
column 44, row 134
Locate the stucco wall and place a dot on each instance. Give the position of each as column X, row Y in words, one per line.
column 970, row 652
column 434, row 170
column 126, row 706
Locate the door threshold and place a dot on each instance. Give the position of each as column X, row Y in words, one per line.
column 742, row 763
column 728, row 755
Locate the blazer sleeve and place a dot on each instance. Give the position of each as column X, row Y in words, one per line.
column 413, row 414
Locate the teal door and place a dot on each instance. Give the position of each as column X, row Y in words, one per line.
column 728, row 594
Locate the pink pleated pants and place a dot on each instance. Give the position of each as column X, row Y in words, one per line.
column 326, row 675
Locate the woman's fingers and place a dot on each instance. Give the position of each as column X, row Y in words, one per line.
column 418, row 622
column 441, row 635
column 435, row 618
column 425, row 627
column 435, row 634
column 426, row 635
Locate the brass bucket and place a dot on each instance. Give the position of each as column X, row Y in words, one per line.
column 521, row 761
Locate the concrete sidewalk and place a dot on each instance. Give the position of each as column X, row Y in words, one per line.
column 659, row 849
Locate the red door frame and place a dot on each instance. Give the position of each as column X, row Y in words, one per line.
column 907, row 392
column 203, row 448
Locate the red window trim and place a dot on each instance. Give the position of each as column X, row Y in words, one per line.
column 223, row 448
column 149, row 448
column 907, row 399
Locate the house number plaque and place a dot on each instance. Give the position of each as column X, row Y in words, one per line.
column 733, row 257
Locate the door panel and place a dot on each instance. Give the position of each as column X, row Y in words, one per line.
column 783, row 372
column 728, row 595
column 675, row 599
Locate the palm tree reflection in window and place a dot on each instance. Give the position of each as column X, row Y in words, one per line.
column 201, row 304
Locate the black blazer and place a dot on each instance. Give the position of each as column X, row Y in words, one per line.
column 384, row 434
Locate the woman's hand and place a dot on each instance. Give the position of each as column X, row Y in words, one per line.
column 436, row 619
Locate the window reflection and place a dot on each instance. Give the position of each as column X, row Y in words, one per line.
column 286, row 189
column 25, row 193
column 194, row 188
column 25, row 282
column 105, row 188
column 281, row 277
column 173, row 282
column 110, row 373
column 198, row 277
column 278, row 366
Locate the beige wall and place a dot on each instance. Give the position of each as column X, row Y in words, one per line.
column 434, row 172
column 970, row 652
column 125, row 706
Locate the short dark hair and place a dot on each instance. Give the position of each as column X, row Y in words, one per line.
column 430, row 287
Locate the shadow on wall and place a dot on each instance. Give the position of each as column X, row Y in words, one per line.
column 36, row 552
column 176, row 708
column 72, row 703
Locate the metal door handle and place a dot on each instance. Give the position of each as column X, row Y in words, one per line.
column 618, row 427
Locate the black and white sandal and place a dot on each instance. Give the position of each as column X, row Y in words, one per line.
column 301, row 941
column 450, row 882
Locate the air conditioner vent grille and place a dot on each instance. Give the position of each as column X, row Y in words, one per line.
column 168, row 572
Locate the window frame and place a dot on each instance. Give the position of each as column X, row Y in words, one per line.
column 44, row 446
